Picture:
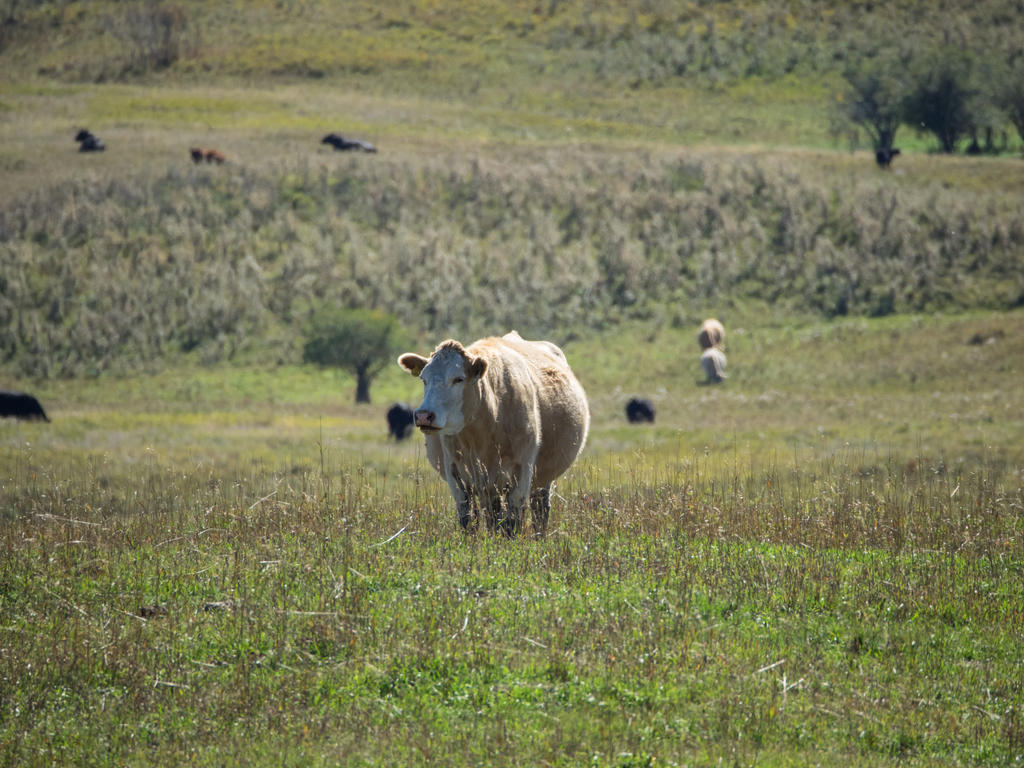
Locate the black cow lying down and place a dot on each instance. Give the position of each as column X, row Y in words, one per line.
column 400, row 421
column 639, row 410
column 21, row 406
column 345, row 144
column 87, row 142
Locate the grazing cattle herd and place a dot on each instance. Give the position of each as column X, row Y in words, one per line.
column 87, row 142
column 503, row 419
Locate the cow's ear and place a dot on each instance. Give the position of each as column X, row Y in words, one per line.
column 476, row 367
column 412, row 363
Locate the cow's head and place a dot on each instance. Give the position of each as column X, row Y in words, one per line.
column 447, row 376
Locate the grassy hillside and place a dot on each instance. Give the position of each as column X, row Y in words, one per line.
column 487, row 48
column 211, row 556
column 154, row 77
column 596, row 163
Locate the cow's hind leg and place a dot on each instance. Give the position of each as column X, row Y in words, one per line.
column 518, row 495
column 540, row 506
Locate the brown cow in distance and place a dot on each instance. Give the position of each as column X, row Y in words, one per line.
column 209, row 155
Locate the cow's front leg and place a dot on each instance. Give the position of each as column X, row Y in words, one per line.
column 540, row 506
column 460, row 487
column 445, row 452
column 463, row 495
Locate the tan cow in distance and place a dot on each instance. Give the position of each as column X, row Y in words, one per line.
column 711, row 338
column 712, row 334
column 503, row 419
column 712, row 360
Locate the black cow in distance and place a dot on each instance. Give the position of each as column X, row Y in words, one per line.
column 884, row 156
column 21, row 405
column 344, row 144
column 87, row 142
column 639, row 410
column 400, row 421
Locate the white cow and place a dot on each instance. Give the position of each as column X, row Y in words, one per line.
column 712, row 334
column 503, row 419
column 713, row 362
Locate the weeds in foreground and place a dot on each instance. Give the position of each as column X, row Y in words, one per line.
column 687, row 611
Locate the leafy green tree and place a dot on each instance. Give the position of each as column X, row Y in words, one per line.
column 940, row 100
column 874, row 97
column 1009, row 96
column 361, row 341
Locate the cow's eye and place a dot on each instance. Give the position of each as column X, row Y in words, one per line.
column 458, row 379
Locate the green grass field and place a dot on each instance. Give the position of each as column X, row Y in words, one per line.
column 818, row 562
column 212, row 556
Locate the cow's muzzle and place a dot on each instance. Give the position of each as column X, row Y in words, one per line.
column 426, row 421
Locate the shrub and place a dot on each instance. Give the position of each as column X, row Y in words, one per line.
column 874, row 97
column 100, row 275
column 154, row 36
column 361, row 341
column 940, row 97
column 1009, row 96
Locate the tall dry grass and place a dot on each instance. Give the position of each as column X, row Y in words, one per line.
column 157, row 613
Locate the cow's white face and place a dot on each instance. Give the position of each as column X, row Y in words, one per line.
column 445, row 377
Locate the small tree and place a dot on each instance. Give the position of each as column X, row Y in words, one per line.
column 1009, row 96
column 940, row 100
column 361, row 341
column 873, row 98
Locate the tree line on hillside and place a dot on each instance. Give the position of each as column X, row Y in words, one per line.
column 947, row 90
